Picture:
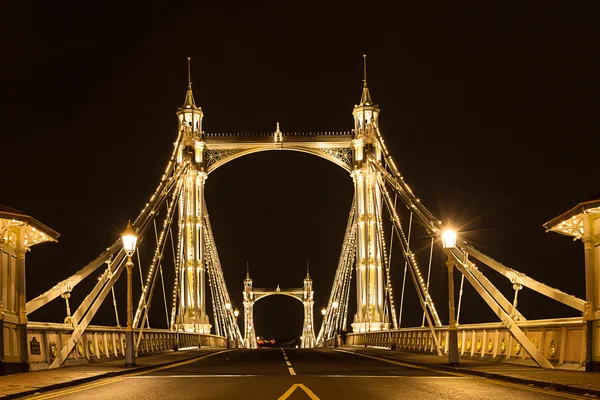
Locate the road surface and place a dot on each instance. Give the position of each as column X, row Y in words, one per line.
column 297, row 374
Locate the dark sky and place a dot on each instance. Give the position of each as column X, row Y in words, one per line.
column 488, row 110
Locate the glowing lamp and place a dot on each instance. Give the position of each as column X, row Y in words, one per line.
column 129, row 238
column 228, row 306
column 335, row 305
column 236, row 313
column 449, row 238
column 323, row 311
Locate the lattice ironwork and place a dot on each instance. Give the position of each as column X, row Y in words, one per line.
column 214, row 156
column 342, row 154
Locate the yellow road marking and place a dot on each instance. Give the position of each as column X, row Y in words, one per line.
column 295, row 386
column 292, row 372
column 491, row 380
column 106, row 381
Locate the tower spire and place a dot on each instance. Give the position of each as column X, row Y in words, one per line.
column 190, row 73
column 365, row 99
column 307, row 271
column 189, row 96
column 247, row 270
column 364, row 69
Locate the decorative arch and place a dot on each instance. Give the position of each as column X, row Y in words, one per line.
column 340, row 156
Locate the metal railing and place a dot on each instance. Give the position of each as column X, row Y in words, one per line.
column 101, row 343
column 562, row 341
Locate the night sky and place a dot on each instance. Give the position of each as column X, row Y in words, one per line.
column 488, row 110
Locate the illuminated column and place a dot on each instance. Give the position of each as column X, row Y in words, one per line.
column 193, row 317
column 249, row 332
column 591, row 245
column 18, row 233
column 369, row 265
column 308, row 328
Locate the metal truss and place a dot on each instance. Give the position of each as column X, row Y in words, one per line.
column 336, row 314
column 225, row 319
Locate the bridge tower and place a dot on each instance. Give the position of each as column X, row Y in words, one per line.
column 249, row 332
column 192, row 311
column 308, row 328
column 369, row 266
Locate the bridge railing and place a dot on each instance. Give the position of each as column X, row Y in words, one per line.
column 100, row 343
column 562, row 341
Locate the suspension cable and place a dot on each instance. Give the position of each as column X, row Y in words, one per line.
column 428, row 275
column 405, row 268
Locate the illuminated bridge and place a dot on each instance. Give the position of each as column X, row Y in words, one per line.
column 383, row 217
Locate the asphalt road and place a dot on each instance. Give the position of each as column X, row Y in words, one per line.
column 296, row 374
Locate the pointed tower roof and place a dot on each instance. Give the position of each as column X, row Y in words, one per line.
column 247, row 270
column 307, row 271
column 365, row 99
column 189, row 96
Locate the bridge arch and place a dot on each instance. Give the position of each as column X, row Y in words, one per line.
column 304, row 294
column 340, row 156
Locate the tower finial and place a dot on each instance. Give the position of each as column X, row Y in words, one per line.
column 307, row 271
column 365, row 69
column 189, row 73
column 247, row 270
column 365, row 98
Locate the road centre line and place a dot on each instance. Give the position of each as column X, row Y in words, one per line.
column 288, row 363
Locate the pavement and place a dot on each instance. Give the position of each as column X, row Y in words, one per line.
column 28, row 383
column 343, row 373
column 570, row 381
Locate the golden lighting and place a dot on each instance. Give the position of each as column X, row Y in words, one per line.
column 449, row 238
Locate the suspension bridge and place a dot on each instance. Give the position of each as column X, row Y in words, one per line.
column 384, row 217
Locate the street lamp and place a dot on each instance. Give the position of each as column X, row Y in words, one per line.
column 335, row 305
column 323, row 311
column 228, row 306
column 236, row 313
column 129, row 238
column 449, row 243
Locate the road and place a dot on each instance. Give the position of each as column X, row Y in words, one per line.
column 296, row 374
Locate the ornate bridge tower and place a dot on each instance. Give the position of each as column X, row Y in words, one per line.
column 369, row 266
column 308, row 328
column 249, row 332
column 192, row 311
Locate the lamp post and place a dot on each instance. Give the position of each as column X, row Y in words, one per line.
column 449, row 243
column 129, row 238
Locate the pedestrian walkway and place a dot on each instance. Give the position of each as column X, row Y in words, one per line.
column 572, row 381
column 28, row 383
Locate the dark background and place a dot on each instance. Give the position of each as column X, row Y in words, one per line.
column 489, row 110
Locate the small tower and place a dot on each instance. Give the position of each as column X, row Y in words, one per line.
column 190, row 116
column 248, row 293
column 366, row 114
column 308, row 329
